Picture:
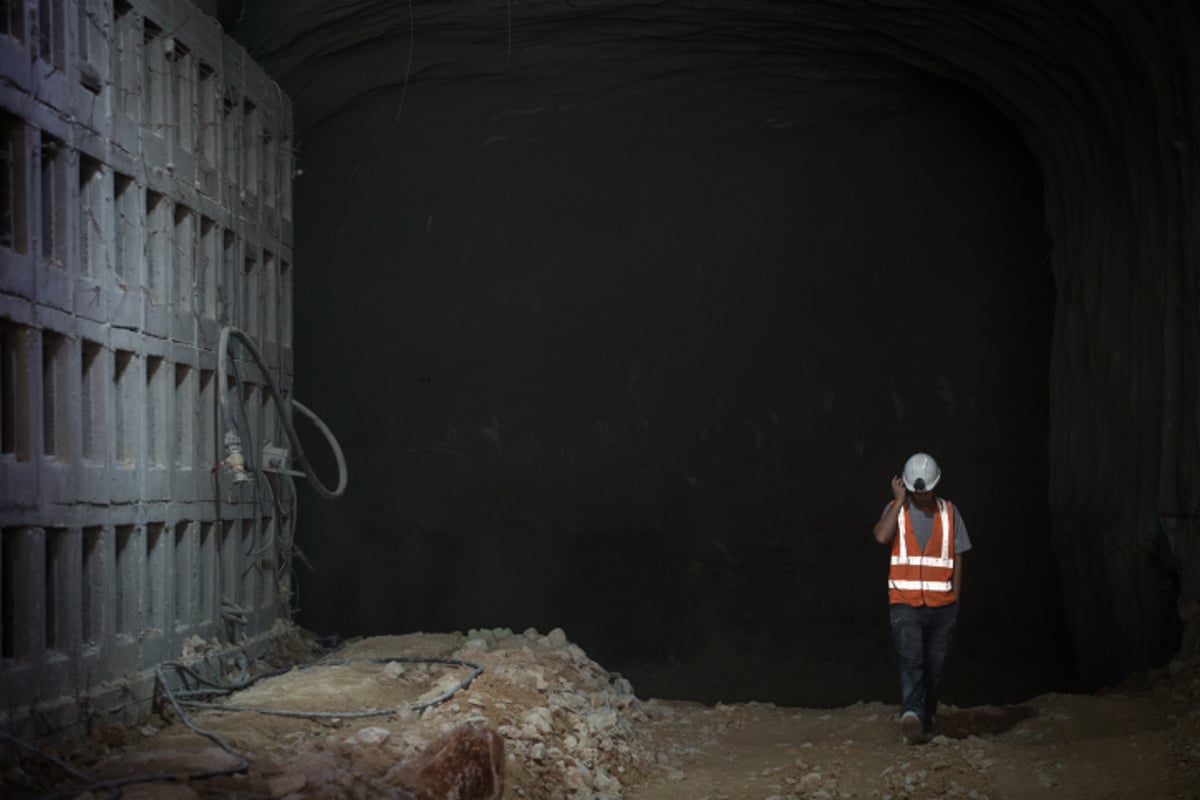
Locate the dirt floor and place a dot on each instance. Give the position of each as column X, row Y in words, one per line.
column 573, row 730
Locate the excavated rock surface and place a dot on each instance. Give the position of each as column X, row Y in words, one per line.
column 1103, row 92
column 573, row 730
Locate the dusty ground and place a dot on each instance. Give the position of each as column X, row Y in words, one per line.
column 573, row 730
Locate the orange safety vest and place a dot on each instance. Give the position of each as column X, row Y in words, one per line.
column 923, row 578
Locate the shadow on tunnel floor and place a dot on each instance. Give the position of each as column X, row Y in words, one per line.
column 982, row 720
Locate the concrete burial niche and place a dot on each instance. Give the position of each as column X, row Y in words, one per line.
column 626, row 316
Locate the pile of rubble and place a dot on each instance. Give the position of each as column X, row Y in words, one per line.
column 540, row 721
column 569, row 727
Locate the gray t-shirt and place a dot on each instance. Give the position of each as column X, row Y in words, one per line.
column 922, row 525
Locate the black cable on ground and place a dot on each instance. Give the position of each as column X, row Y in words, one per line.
column 113, row 785
column 374, row 712
column 179, row 698
column 58, row 762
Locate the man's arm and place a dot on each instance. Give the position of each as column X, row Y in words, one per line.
column 885, row 529
column 957, row 579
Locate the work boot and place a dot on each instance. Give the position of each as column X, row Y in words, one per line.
column 911, row 727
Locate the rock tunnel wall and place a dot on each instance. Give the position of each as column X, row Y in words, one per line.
column 1103, row 95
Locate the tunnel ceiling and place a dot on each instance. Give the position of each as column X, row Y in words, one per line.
column 1104, row 94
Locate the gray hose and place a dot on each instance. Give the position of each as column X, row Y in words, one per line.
column 288, row 427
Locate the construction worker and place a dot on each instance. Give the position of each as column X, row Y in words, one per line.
column 928, row 539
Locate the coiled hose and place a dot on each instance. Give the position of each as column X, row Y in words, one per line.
column 289, row 428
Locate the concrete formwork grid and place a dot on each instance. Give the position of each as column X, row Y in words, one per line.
column 145, row 172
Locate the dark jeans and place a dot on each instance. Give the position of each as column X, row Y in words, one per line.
column 923, row 635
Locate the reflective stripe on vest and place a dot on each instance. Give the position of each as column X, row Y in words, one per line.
column 941, row 565
column 919, row 586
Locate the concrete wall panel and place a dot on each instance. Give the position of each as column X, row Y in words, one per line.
column 119, row 537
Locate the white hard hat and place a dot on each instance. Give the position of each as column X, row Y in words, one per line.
column 921, row 473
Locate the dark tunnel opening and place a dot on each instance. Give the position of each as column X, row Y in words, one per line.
column 642, row 364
